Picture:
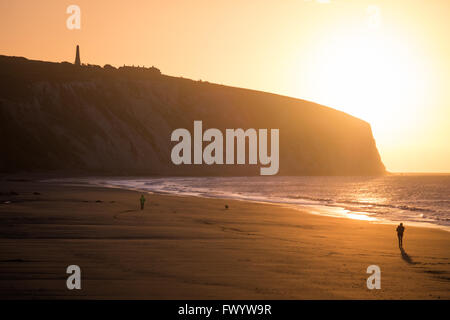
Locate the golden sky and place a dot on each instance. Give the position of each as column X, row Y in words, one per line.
column 385, row 61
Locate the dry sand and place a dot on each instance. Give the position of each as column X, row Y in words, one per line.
column 193, row 248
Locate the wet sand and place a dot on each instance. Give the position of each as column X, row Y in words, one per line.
column 194, row 248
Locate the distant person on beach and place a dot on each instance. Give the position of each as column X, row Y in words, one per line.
column 142, row 201
column 400, row 230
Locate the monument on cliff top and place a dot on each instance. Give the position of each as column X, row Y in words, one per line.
column 77, row 57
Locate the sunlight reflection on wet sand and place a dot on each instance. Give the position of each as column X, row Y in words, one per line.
column 344, row 213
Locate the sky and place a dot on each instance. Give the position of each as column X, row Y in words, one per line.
column 386, row 62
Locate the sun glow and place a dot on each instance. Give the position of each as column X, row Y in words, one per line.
column 371, row 76
column 377, row 74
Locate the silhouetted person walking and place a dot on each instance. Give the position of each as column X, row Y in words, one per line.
column 142, row 201
column 400, row 230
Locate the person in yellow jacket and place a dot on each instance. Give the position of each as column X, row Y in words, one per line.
column 142, row 200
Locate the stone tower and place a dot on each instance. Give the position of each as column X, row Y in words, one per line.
column 77, row 57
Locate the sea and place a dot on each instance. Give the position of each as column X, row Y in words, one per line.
column 412, row 199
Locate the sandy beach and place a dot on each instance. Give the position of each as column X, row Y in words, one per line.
column 194, row 248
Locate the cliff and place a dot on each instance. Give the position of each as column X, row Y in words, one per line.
column 93, row 120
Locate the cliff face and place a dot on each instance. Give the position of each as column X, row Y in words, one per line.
column 92, row 120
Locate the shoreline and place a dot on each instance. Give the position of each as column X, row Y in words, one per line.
column 335, row 211
column 320, row 210
column 194, row 248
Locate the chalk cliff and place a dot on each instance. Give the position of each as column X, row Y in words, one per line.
column 92, row 120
